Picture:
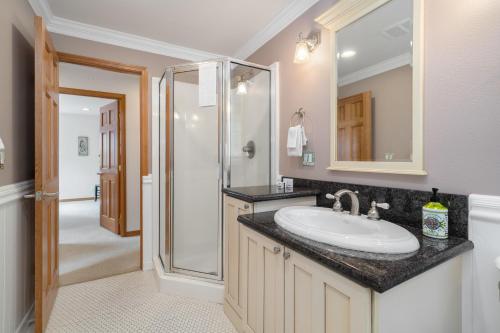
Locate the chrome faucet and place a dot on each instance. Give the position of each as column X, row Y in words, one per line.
column 337, row 206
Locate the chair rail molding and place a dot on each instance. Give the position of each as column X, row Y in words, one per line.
column 96, row 33
column 16, row 256
column 15, row 191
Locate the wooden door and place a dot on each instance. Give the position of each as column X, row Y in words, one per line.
column 262, row 281
column 354, row 128
column 46, row 175
column 109, row 167
column 320, row 300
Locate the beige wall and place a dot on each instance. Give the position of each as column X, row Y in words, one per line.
column 462, row 98
column 17, row 90
column 155, row 64
column 391, row 111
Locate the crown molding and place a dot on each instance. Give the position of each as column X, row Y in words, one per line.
column 42, row 8
column 280, row 22
column 381, row 67
column 95, row 33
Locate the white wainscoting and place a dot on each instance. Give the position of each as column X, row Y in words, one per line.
column 16, row 256
column 481, row 299
column 147, row 222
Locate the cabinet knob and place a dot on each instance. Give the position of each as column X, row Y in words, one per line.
column 276, row 249
column 286, row 255
column 246, row 206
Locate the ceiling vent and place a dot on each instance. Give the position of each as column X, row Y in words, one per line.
column 398, row 29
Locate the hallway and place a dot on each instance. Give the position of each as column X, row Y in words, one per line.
column 89, row 252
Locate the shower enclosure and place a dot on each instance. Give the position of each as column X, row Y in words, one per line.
column 215, row 132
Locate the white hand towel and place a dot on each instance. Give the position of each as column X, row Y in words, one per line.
column 304, row 138
column 295, row 140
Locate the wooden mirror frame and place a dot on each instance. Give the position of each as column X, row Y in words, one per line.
column 342, row 14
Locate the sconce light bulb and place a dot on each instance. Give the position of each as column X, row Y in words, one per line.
column 242, row 88
column 301, row 52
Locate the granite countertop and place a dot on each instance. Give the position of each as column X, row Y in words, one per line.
column 266, row 193
column 379, row 272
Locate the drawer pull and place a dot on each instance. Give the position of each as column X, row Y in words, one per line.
column 246, row 206
column 276, row 249
column 286, row 255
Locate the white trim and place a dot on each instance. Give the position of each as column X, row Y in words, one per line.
column 378, row 68
column 147, row 222
column 95, row 33
column 275, row 122
column 484, row 201
column 42, row 8
column 280, row 22
column 25, row 322
column 15, row 191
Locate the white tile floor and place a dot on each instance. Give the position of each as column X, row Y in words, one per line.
column 131, row 303
column 88, row 251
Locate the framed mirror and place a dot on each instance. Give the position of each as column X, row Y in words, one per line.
column 377, row 86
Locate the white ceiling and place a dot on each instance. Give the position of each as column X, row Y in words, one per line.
column 71, row 104
column 365, row 36
column 221, row 26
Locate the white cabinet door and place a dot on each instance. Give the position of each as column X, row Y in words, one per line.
column 320, row 300
column 232, row 285
column 262, row 270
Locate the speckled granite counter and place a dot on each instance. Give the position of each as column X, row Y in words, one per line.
column 377, row 271
column 266, row 193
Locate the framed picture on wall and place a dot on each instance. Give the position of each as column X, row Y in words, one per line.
column 83, row 146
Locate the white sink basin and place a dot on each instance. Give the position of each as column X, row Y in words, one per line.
column 346, row 231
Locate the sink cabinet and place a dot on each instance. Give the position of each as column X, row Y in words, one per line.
column 270, row 288
column 283, row 291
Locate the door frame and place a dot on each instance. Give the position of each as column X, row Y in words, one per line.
column 122, row 153
column 144, row 113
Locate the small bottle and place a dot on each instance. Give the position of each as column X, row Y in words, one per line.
column 435, row 218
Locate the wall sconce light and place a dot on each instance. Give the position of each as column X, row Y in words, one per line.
column 241, row 88
column 305, row 46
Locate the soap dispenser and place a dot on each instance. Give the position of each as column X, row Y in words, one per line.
column 435, row 218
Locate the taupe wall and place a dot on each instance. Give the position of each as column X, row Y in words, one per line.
column 391, row 111
column 156, row 64
column 17, row 90
column 462, row 98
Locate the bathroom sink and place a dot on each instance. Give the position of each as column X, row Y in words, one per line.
column 346, row 231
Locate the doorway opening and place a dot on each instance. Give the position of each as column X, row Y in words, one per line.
column 94, row 241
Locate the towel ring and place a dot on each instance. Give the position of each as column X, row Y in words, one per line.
column 300, row 114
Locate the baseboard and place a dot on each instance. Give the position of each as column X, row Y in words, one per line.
column 132, row 233
column 77, row 199
column 25, row 323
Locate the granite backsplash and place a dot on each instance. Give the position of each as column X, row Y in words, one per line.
column 406, row 205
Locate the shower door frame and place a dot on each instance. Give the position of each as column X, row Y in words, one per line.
column 227, row 117
column 224, row 154
column 170, row 77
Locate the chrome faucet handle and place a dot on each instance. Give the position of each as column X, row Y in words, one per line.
column 373, row 212
column 337, row 206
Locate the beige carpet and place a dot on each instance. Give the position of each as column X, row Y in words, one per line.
column 131, row 303
column 86, row 250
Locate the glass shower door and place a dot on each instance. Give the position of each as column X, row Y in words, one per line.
column 196, row 178
column 249, row 125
